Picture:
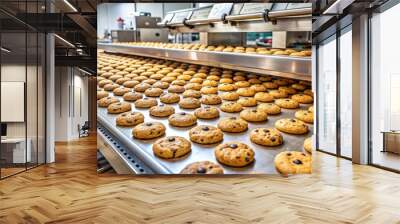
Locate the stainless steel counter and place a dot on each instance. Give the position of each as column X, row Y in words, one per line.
column 142, row 149
column 282, row 66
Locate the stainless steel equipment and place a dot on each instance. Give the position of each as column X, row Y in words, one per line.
column 141, row 28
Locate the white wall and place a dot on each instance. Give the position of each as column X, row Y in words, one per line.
column 108, row 13
column 71, row 103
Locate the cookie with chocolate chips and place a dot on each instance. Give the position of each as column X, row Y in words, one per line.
column 293, row 162
column 269, row 108
column 141, row 87
column 291, row 126
column 106, row 101
column 171, row 147
column 189, row 103
column 162, row 110
column 119, row 107
column 232, row 124
column 132, row 96
column 101, row 94
column 303, row 98
column 191, row 93
column 202, row 167
column 266, row 136
column 231, row 107
column 305, row 115
column 206, row 112
column 176, row 89
column 211, row 99
column 148, row 130
column 120, row 91
column 170, row 98
column 308, row 145
column 206, row 134
column 128, row 119
column 231, row 96
column 263, row 97
column 145, row 103
column 247, row 101
column 254, row 115
column 153, row 92
column 287, row 103
column 234, row 154
column 182, row 119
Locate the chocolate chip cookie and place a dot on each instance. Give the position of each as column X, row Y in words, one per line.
column 247, row 101
column 208, row 90
column 161, row 110
column 121, row 91
column 189, row 103
column 211, row 99
column 128, row 119
column 264, row 97
column 293, row 162
column 182, row 119
column 269, row 108
column 120, row 107
column 148, row 130
column 106, row 101
column 231, row 107
column 277, row 94
column 246, row 91
column 291, row 126
column 266, row 136
column 206, row 112
column 202, row 167
column 171, row 147
column 232, row 124
column 303, row 98
column 235, row 154
column 287, row 103
column 227, row 87
column 132, row 96
column 141, row 87
column 101, row 94
column 170, row 98
column 254, row 115
column 308, row 145
column 145, row 103
column 206, row 134
column 153, row 92
column 231, row 96
column 176, row 89
column 192, row 93
column 305, row 115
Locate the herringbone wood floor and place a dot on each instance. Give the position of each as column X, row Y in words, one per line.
column 70, row 191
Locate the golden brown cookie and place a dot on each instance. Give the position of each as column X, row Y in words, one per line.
column 161, row 110
column 254, row 115
column 232, row 124
column 277, row 94
column 266, row 136
column 111, row 86
column 291, row 126
column 305, row 115
column 161, row 85
column 269, row 108
column 231, row 107
column 302, row 98
column 231, row 96
column 194, row 86
column 101, row 94
column 153, row 92
column 206, row 112
column 170, row 98
column 202, row 167
column 128, row 119
column 131, row 83
column 145, row 103
column 287, row 103
column 293, row 162
column 182, row 119
column 148, row 130
column 106, row 101
column 206, row 134
column 120, row 91
column 247, row 101
column 208, row 90
column 192, row 93
column 211, row 99
column 308, row 145
column 258, row 88
column 263, row 97
column 227, row 87
column 311, row 109
column 246, row 91
column 141, row 87
column 120, row 107
column 171, row 147
column 234, row 154
column 176, row 89
column 189, row 103
column 132, row 96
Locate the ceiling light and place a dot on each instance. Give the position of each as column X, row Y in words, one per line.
column 5, row 49
column 64, row 40
column 70, row 5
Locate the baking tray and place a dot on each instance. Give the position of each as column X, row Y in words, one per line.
column 264, row 156
column 283, row 66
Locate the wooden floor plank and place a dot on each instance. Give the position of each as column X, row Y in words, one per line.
column 70, row 191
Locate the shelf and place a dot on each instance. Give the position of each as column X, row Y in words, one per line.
column 283, row 66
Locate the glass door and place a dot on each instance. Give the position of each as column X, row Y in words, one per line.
column 327, row 96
